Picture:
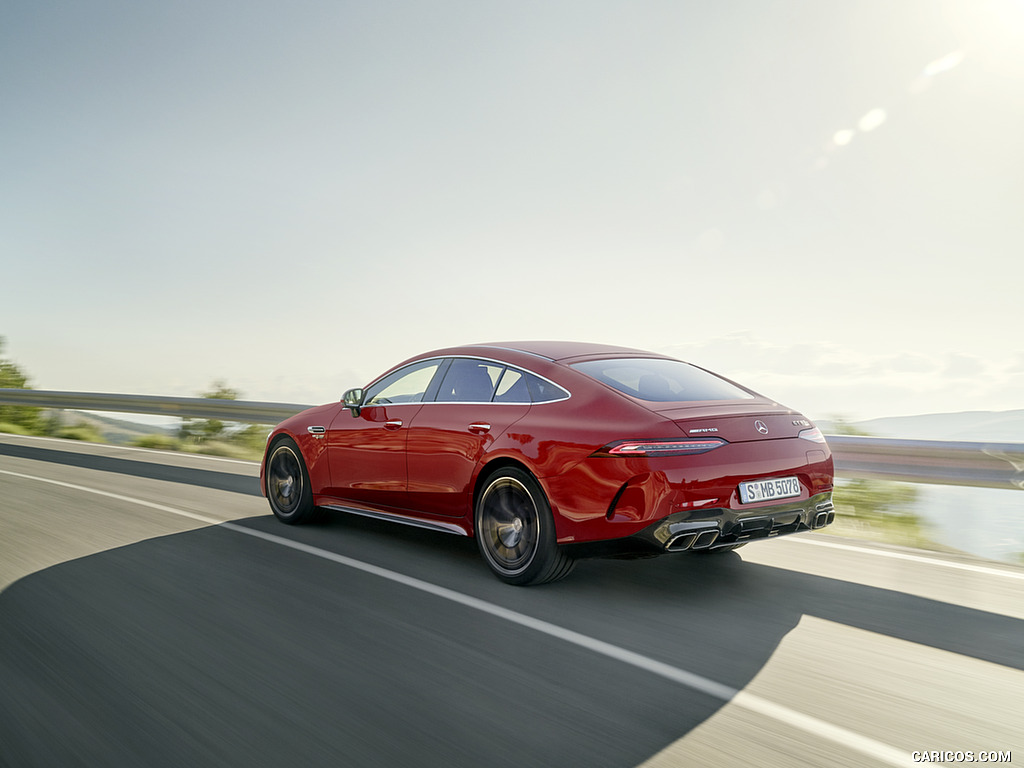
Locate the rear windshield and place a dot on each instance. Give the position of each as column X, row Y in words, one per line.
column 661, row 381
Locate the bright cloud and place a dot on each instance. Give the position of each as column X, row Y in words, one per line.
column 825, row 380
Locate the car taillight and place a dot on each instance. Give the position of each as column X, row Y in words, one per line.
column 658, row 448
column 814, row 435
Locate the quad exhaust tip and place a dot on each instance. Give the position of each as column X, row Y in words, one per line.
column 705, row 539
column 823, row 515
column 826, row 515
column 692, row 540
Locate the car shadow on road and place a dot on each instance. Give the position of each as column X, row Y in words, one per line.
column 209, row 647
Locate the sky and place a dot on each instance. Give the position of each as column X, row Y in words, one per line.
column 821, row 200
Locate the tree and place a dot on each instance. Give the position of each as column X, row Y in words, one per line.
column 12, row 377
column 202, row 430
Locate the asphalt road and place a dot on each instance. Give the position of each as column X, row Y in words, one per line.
column 153, row 613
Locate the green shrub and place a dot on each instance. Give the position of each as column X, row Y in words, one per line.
column 252, row 437
column 157, row 441
column 879, row 510
column 21, row 416
column 82, row 432
column 14, row 429
column 226, row 450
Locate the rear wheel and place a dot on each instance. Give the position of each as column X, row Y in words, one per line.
column 516, row 532
column 288, row 491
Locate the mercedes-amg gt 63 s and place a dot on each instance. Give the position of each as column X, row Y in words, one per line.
column 546, row 452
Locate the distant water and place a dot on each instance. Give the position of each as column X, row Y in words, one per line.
column 988, row 522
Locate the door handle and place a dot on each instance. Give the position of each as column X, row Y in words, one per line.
column 393, row 424
column 480, row 428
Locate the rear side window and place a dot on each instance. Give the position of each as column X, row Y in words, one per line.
column 543, row 391
column 512, row 388
column 661, row 381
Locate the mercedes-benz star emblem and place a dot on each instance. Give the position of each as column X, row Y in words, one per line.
column 761, row 427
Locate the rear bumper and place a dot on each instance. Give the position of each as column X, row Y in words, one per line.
column 729, row 527
column 603, row 498
column 718, row 528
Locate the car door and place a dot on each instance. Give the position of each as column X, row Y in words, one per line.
column 476, row 402
column 366, row 451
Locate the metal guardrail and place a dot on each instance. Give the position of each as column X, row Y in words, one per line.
column 986, row 465
column 983, row 465
column 186, row 407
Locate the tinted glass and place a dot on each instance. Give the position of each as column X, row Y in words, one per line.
column 661, row 381
column 469, row 381
column 542, row 391
column 512, row 388
column 404, row 386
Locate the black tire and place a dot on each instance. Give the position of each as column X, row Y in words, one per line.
column 287, row 484
column 515, row 531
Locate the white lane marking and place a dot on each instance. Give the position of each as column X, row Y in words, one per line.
column 986, row 570
column 808, row 723
column 119, row 497
column 147, row 451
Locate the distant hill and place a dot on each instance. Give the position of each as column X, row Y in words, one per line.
column 114, row 430
column 984, row 426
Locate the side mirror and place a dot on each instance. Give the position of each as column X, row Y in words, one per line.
column 353, row 400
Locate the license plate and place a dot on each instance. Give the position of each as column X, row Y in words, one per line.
column 766, row 490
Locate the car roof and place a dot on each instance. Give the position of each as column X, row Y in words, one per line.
column 560, row 351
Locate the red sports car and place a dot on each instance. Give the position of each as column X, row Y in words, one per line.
column 549, row 451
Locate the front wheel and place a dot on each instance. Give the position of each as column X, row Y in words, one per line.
column 516, row 532
column 288, row 491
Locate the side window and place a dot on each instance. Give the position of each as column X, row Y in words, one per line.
column 469, row 381
column 543, row 391
column 512, row 388
column 403, row 386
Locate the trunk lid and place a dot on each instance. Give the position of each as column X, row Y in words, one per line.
column 738, row 421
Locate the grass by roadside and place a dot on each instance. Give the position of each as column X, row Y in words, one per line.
column 249, row 448
column 246, row 443
column 81, row 431
column 14, row 429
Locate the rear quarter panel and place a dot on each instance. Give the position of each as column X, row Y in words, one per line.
column 554, row 441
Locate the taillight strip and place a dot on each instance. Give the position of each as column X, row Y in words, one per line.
column 659, row 447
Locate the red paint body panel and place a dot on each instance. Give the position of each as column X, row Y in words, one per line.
column 444, row 452
column 367, row 454
column 428, row 466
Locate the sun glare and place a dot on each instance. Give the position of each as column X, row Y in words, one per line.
column 843, row 137
column 944, row 64
column 872, row 120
